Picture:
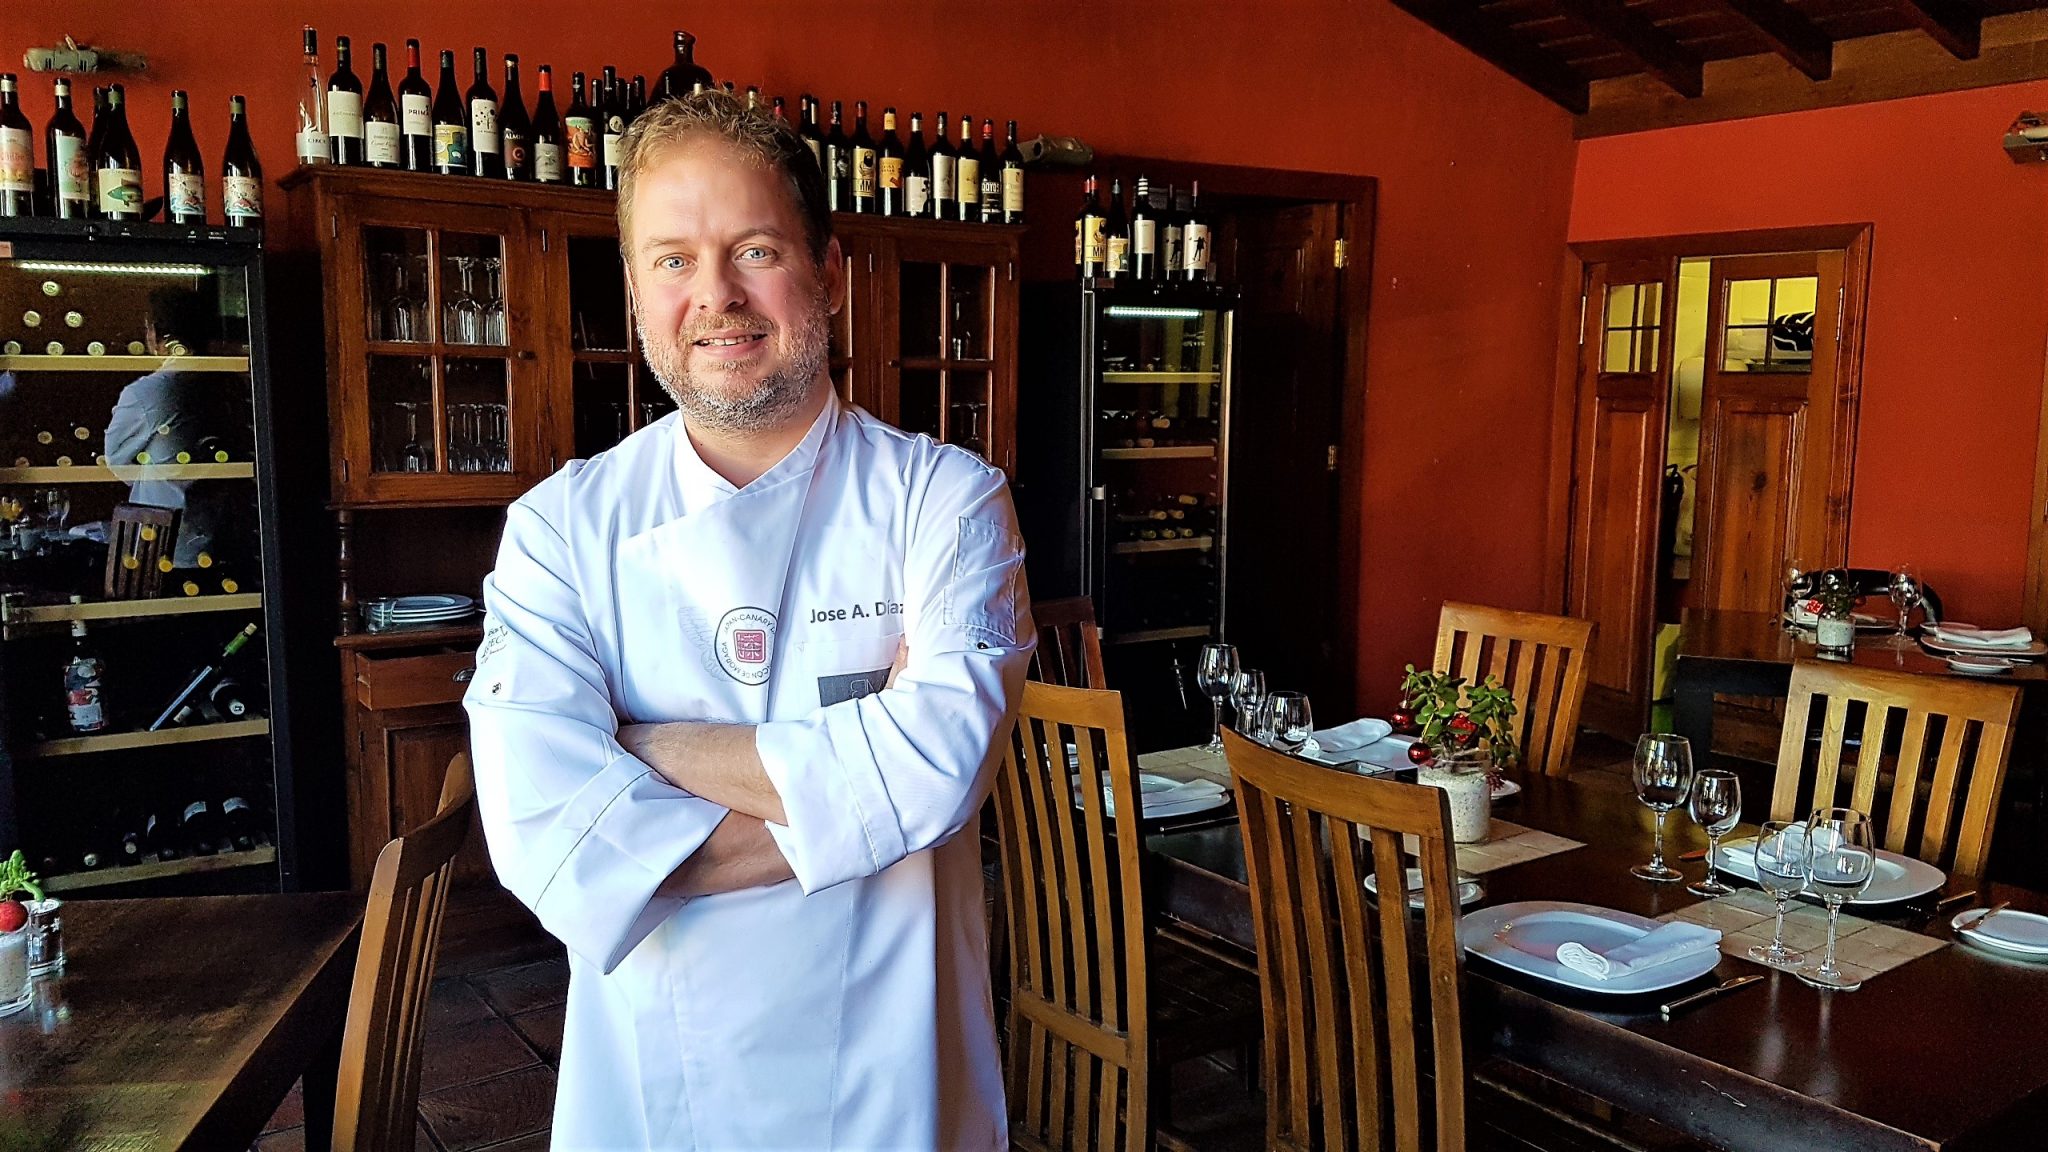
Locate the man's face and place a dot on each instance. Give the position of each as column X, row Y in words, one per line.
column 730, row 306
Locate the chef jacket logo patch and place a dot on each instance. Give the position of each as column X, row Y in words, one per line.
column 746, row 637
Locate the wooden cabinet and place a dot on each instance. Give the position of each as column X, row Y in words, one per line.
column 405, row 722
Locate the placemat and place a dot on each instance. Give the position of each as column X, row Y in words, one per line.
column 1862, row 948
column 1192, row 763
column 1506, row 843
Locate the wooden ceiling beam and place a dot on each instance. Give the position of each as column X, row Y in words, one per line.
column 1953, row 24
column 1661, row 55
column 1493, row 42
column 1791, row 35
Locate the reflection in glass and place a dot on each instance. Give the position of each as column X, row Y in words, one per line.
column 597, row 295
column 400, row 387
column 920, row 309
column 477, row 415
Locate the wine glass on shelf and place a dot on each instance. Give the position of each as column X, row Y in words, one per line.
column 398, row 307
column 1841, row 860
column 1214, row 673
column 1247, row 696
column 499, row 441
column 464, row 316
column 1288, row 721
column 1716, row 806
column 494, row 307
column 1780, row 871
column 413, row 456
column 1906, row 593
column 1663, row 776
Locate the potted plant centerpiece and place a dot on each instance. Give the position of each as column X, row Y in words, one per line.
column 1834, row 607
column 1465, row 737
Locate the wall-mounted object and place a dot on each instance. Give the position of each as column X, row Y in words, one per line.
column 71, row 56
column 2026, row 140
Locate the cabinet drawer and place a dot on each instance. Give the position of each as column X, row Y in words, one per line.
column 413, row 680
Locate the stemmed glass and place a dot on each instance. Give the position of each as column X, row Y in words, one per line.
column 1213, row 675
column 1716, row 806
column 498, row 446
column 412, row 457
column 1904, row 588
column 398, row 314
column 494, row 311
column 1287, row 720
column 464, row 316
column 1247, row 696
column 1840, row 863
column 1663, row 775
column 1798, row 586
column 1780, row 871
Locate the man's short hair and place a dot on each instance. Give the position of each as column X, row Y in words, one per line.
column 754, row 134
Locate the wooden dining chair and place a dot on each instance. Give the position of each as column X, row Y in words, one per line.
column 1337, row 980
column 1101, row 1006
column 1962, row 729
column 1069, row 644
column 376, row 1101
column 1541, row 660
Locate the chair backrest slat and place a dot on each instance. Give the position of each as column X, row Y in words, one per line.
column 1541, row 660
column 1069, row 644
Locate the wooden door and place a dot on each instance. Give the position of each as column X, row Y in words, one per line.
column 599, row 387
column 947, row 312
column 1624, row 363
column 1772, row 429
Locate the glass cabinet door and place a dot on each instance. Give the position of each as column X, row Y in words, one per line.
column 946, row 313
column 611, row 390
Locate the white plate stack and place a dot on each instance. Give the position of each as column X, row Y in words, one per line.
column 433, row 611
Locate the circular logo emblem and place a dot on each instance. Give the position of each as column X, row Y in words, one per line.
column 746, row 637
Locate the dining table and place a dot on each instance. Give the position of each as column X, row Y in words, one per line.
column 1944, row 1052
column 181, row 1023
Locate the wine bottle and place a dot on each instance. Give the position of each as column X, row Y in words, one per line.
column 1144, row 233
column 684, row 74
column 17, row 153
column 991, row 172
column 232, row 699
column 199, row 828
column 863, row 160
column 547, row 130
column 1088, row 245
column 579, row 129
column 945, row 170
column 210, row 450
column 344, row 109
column 1170, row 235
column 753, row 97
column 117, row 167
column 917, row 171
column 1013, row 177
column 1116, row 235
column 808, row 113
column 889, row 167
column 636, row 100
column 183, row 706
column 482, row 104
column 967, row 173
column 239, row 829
column 184, row 171
column 70, row 165
column 382, row 138
column 416, row 113
column 611, row 110
column 515, row 131
column 451, row 123
column 778, row 111
column 84, row 706
column 159, row 839
column 312, row 138
column 838, row 165
column 131, row 847
column 1194, row 238
column 241, row 179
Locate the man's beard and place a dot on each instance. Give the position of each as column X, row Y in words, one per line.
column 709, row 402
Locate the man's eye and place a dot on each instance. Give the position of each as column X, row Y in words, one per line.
column 754, row 253
column 672, row 263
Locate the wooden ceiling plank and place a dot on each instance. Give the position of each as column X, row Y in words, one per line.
column 1791, row 35
column 1661, row 55
column 1953, row 24
column 1488, row 40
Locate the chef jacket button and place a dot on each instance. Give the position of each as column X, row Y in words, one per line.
column 981, row 644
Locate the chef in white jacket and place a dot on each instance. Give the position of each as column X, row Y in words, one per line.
column 743, row 687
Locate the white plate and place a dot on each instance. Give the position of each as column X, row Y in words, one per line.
column 1898, row 877
column 1544, row 924
column 1469, row 891
column 1980, row 665
column 431, row 603
column 2011, row 932
column 1505, row 789
column 1948, row 648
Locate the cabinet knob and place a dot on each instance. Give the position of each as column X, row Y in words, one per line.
column 465, row 675
column 524, row 354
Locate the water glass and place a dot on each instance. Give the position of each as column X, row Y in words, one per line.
column 1781, row 871
column 45, row 936
column 1905, row 592
column 16, row 989
column 1716, row 806
column 1841, row 861
column 1287, row 721
column 1663, row 776
column 1214, row 675
column 1247, row 696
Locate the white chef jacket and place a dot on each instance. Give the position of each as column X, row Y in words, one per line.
column 848, row 1009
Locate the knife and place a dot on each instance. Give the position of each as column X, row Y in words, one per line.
column 1683, row 1002
column 1981, row 917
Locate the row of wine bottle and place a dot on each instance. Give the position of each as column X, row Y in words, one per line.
column 210, row 693
column 99, row 174
column 62, row 450
column 1164, row 235
column 1146, row 429
column 200, row 827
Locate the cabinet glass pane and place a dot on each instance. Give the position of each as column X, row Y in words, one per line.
column 472, row 289
column 402, row 414
column 918, row 405
column 395, row 277
column 967, row 311
column 919, row 301
column 653, row 399
column 479, row 432
column 601, row 413
column 1184, row 341
column 597, row 295
column 967, row 411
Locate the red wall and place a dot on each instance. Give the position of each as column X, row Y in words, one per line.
column 1475, row 185
column 1957, row 323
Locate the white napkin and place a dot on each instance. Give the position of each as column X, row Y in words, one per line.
column 1353, row 736
column 1186, row 790
column 1975, row 637
column 1664, row 944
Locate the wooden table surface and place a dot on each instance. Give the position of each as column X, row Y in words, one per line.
column 177, row 1023
column 1761, row 638
column 1945, row 1052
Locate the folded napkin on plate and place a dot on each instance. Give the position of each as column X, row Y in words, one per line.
column 1187, row 790
column 1668, row 942
column 1353, row 736
column 1975, row 637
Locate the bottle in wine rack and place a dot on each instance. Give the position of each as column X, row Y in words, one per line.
column 967, row 173
column 579, row 132
column 184, row 171
column 838, row 164
column 240, row 831
column 184, row 707
column 1116, row 235
column 863, row 160
column 84, row 706
column 451, row 123
column 807, row 111
column 232, row 699
column 130, row 847
column 991, row 173
column 1144, row 234
column 547, row 130
column 515, row 131
column 17, row 153
column 117, row 165
column 199, row 827
column 416, row 113
column 481, row 102
column 70, row 169
column 312, row 137
column 383, row 138
column 889, row 167
column 241, row 181
column 160, row 838
column 917, row 171
column 344, row 109
column 611, row 111
column 945, row 165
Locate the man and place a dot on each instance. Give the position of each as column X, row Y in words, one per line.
column 744, row 684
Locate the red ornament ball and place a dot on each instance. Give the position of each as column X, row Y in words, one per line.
column 12, row 915
column 1419, row 752
column 1403, row 720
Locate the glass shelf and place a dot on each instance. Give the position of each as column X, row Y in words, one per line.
column 1182, row 452
column 117, row 741
column 73, row 363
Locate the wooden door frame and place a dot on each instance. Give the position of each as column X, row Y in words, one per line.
column 1852, row 240
column 2034, row 609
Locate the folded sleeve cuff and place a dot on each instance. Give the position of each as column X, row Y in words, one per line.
column 840, row 824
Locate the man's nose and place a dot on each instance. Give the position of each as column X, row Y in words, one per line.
column 719, row 290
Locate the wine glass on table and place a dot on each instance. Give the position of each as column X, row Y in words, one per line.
column 1780, row 871
column 1247, row 696
column 1841, row 860
column 1798, row 586
column 1288, row 721
column 1905, row 591
column 1214, row 674
column 1716, row 805
column 1663, row 776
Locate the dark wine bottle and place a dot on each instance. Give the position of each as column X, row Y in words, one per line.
column 917, row 171
column 945, row 171
column 838, row 165
column 70, row 163
column 636, row 99
column 889, row 167
column 1144, row 233
column 241, row 179
column 199, row 828
column 184, row 171
column 1116, row 235
column 383, row 140
column 17, row 153
column 579, row 131
column 991, row 175
column 1170, row 235
column 131, row 847
column 344, row 109
column 160, row 838
column 416, row 113
column 1194, row 237
column 515, row 131
column 1013, row 177
column 967, row 173
column 232, row 699
column 779, row 111
column 239, row 829
column 863, row 160
column 117, row 166
column 451, row 123
column 547, row 129
column 807, row 112
column 482, row 104
column 684, row 74
column 611, row 111
column 184, row 704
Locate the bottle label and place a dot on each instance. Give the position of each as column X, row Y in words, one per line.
column 241, row 198
column 917, row 194
column 483, row 126
column 1077, row 242
column 232, row 805
column 120, row 190
column 969, row 180
column 892, row 173
column 1145, row 237
column 380, row 142
column 71, row 170
column 612, row 140
column 416, row 114
column 817, row 148
column 1013, row 191
column 17, row 162
column 185, row 194
column 863, row 173
column 1117, row 255
column 547, row 162
column 582, row 132
column 1195, row 247
column 82, row 705
column 943, row 169
column 195, row 808
column 1092, row 244
column 515, row 149
column 991, row 194
column 1170, row 256
column 344, row 113
column 313, row 147
column 451, row 146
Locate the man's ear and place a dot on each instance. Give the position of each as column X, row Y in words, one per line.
column 835, row 277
